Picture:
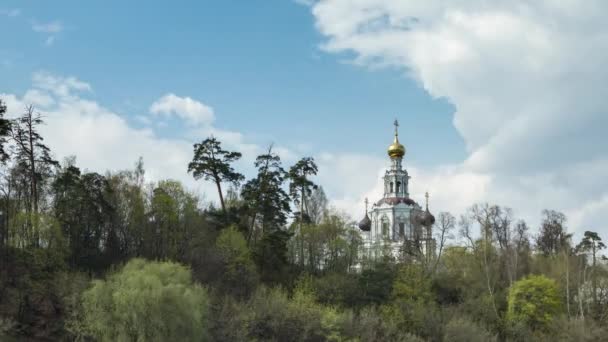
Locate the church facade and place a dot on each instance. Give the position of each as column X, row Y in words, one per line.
column 396, row 221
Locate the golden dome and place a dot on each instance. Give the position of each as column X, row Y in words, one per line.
column 396, row 150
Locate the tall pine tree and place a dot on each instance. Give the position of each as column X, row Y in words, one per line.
column 212, row 163
column 264, row 194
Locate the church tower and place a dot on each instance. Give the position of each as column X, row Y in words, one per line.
column 397, row 218
column 396, row 178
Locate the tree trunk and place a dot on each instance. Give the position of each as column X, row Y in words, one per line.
column 219, row 191
column 34, row 186
column 255, row 214
column 301, row 233
column 568, row 284
column 593, row 278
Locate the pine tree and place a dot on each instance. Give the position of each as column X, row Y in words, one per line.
column 212, row 163
column 302, row 187
column 265, row 195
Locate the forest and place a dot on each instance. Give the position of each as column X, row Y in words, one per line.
column 86, row 256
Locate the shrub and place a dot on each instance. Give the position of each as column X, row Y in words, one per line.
column 533, row 301
column 464, row 330
column 146, row 301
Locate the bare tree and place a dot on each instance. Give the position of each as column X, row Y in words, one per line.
column 444, row 226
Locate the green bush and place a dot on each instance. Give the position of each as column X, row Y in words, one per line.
column 464, row 330
column 146, row 301
column 533, row 301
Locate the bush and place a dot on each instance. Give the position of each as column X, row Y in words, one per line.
column 533, row 301
column 146, row 301
column 463, row 330
column 577, row 330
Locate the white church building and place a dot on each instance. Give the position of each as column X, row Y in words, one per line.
column 396, row 221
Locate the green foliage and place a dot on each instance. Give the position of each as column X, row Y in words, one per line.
column 5, row 129
column 299, row 175
column 553, row 237
column 412, row 285
column 81, row 206
column 239, row 276
column 57, row 221
column 270, row 256
column 331, row 246
column 376, row 284
column 534, row 301
column 264, row 194
column 146, row 301
column 564, row 330
column 275, row 318
column 463, row 330
column 211, row 163
column 271, row 315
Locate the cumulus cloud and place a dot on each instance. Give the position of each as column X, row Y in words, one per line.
column 103, row 140
column 527, row 80
column 194, row 112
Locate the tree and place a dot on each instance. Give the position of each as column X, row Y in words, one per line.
column 33, row 157
column 264, row 194
column 445, row 224
column 300, row 186
column 317, row 205
column 239, row 275
column 483, row 215
column 5, row 130
column 533, row 301
column 128, row 200
column 411, row 285
column 592, row 243
column 80, row 205
column 553, row 238
column 270, row 254
column 212, row 163
column 146, row 301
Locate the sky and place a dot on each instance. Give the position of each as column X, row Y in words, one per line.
column 498, row 102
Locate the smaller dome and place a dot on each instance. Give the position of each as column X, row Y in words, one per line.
column 365, row 224
column 426, row 218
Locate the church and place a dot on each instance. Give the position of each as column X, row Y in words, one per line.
column 396, row 221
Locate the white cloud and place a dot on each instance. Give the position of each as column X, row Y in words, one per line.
column 59, row 86
column 103, row 140
column 50, row 27
column 194, row 112
column 527, row 79
column 100, row 139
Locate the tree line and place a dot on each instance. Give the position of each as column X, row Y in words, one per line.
column 113, row 257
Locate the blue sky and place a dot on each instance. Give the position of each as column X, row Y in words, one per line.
column 257, row 63
column 501, row 102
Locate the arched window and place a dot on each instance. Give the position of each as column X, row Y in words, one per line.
column 398, row 187
column 391, row 187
